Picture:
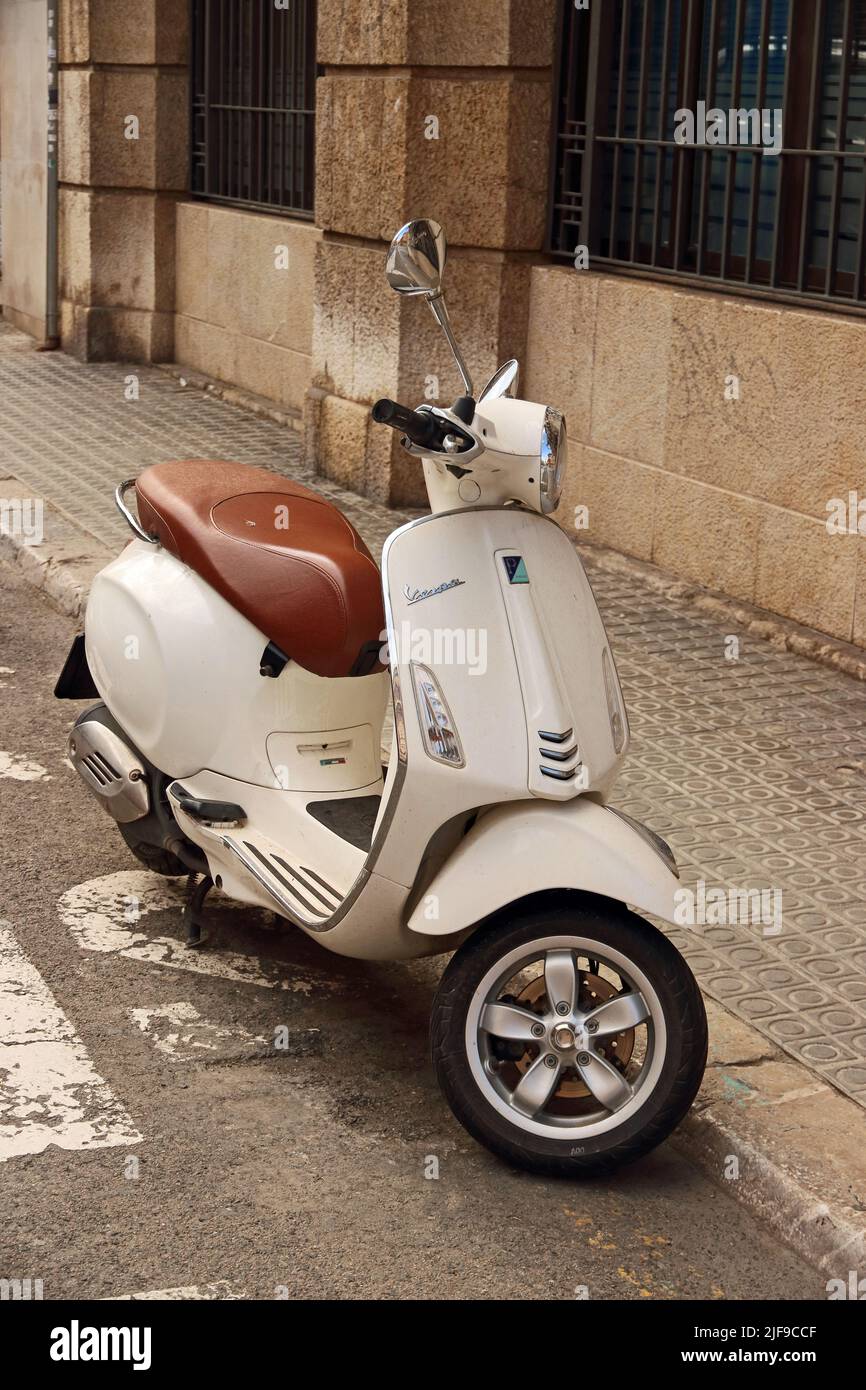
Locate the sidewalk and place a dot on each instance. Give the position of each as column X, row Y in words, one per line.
column 753, row 768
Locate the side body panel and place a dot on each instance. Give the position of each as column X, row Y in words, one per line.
column 179, row 669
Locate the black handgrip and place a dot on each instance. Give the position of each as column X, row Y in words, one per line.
column 421, row 427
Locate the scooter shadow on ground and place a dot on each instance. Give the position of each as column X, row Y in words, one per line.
column 394, row 997
column 382, row 1008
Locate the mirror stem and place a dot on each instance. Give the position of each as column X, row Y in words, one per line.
column 440, row 313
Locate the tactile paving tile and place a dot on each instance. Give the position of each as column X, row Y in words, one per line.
column 68, row 432
column 754, row 770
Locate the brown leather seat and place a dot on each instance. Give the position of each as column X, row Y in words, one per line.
column 277, row 552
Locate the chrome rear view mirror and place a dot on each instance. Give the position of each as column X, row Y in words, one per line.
column 503, row 382
column 416, row 260
column 415, row 265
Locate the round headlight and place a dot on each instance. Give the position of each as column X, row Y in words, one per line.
column 554, row 458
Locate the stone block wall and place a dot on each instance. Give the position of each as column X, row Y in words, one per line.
column 23, row 122
column 444, row 114
column 121, row 59
column 245, row 299
column 710, row 435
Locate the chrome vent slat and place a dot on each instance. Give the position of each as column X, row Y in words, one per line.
column 560, row 774
column 102, row 772
column 95, row 771
column 559, row 756
column 110, row 772
column 555, row 738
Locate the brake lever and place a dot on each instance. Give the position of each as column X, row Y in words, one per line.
column 456, row 430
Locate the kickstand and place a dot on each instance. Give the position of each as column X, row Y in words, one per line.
column 193, row 909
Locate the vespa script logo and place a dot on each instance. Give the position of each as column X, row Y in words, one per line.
column 416, row 595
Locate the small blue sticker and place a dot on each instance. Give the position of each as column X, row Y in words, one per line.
column 515, row 569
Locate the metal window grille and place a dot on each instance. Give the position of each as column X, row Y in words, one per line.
column 253, row 103
column 786, row 226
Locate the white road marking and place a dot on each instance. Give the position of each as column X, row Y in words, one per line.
column 220, row 1290
column 180, row 1032
column 103, row 915
column 49, row 1091
column 22, row 769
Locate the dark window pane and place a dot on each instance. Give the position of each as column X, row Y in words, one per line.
column 742, row 211
column 253, row 72
column 838, row 185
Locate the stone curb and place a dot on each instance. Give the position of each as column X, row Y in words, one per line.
column 801, row 1165
column 800, row 1160
column 66, row 561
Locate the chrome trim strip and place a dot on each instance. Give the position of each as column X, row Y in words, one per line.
column 559, row 773
column 127, row 515
column 661, row 847
column 290, row 909
column 263, row 859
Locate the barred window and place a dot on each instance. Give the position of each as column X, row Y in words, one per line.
column 253, row 103
column 777, row 208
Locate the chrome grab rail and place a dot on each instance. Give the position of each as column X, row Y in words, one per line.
column 131, row 521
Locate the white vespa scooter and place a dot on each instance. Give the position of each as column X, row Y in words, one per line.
column 235, row 645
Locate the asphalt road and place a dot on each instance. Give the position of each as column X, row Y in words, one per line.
column 196, row 1154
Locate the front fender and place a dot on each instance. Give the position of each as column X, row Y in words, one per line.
column 528, row 846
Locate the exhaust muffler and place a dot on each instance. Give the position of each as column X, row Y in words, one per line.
column 109, row 768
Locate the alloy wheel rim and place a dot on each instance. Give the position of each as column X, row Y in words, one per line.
column 568, row 1082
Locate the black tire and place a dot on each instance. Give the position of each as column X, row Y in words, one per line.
column 153, row 857
column 685, row 1057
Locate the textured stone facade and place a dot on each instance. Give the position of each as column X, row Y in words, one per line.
column 709, row 434
column 121, row 61
column 244, row 307
column 444, row 114
column 23, row 144
column 443, row 110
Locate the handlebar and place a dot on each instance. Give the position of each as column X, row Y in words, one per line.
column 418, row 425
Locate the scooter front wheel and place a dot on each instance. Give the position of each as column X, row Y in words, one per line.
column 569, row 1041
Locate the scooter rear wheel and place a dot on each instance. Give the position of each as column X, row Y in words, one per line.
column 569, row 1041
column 153, row 857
